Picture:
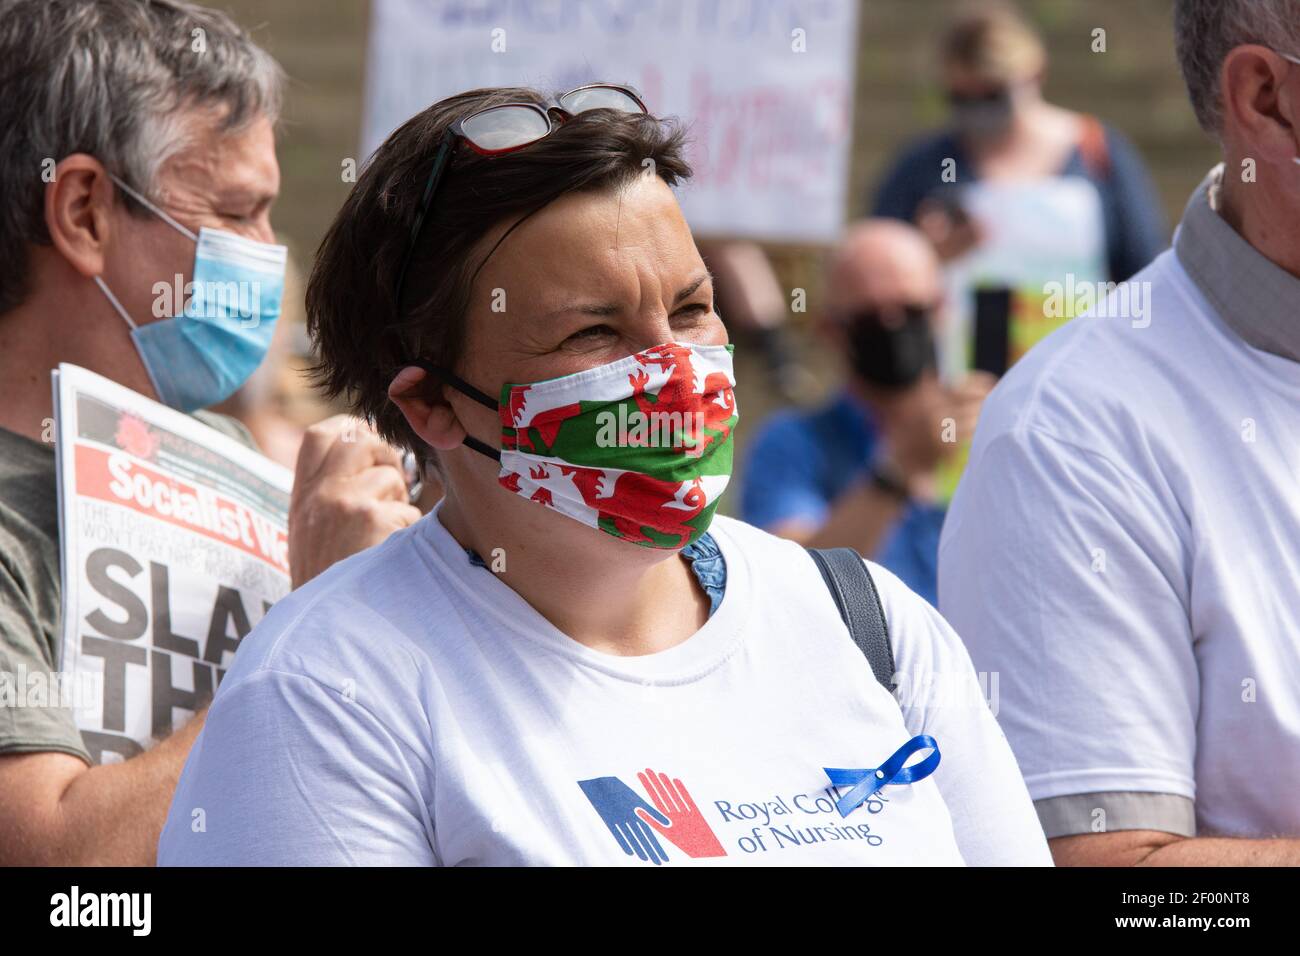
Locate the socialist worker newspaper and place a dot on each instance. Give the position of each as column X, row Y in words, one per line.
column 173, row 544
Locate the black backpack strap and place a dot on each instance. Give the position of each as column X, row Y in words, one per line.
column 850, row 584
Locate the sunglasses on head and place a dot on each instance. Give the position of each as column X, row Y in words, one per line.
column 498, row 130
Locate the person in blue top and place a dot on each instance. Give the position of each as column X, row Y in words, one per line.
column 860, row 471
column 1002, row 130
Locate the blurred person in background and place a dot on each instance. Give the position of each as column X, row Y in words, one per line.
column 119, row 141
column 1019, row 196
column 860, row 472
column 1124, row 548
column 475, row 691
column 1002, row 130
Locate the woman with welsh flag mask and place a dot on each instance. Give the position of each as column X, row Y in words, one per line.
column 574, row 659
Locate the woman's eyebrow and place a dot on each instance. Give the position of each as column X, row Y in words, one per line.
column 689, row 290
column 611, row 308
column 607, row 308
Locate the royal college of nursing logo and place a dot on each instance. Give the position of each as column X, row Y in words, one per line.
column 634, row 823
column 797, row 820
column 663, row 814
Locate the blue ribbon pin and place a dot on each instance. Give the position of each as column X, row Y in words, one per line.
column 892, row 771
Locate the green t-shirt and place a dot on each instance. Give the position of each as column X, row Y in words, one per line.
column 30, row 597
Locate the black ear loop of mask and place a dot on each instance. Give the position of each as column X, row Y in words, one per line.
column 469, row 391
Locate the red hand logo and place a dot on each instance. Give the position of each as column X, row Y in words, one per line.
column 689, row 831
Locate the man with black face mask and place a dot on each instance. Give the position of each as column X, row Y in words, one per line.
column 861, row 471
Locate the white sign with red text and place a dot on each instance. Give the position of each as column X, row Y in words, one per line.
column 765, row 86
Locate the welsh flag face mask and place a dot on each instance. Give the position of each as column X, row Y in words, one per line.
column 639, row 448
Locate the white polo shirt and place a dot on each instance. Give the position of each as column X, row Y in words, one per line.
column 1124, row 551
column 408, row 707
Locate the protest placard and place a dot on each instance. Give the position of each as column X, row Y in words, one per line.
column 766, row 88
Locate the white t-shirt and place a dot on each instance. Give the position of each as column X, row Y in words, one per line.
column 407, row 707
column 1124, row 552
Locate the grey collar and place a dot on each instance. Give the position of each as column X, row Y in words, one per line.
column 1256, row 298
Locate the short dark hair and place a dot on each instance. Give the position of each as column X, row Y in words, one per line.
column 361, row 336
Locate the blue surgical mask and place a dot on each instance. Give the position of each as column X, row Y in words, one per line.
column 202, row 355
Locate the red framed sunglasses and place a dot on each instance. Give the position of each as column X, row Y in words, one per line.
column 498, row 130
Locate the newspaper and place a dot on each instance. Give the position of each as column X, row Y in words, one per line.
column 174, row 544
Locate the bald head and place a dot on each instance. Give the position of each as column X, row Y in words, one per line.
column 882, row 264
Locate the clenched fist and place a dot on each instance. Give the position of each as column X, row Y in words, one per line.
column 349, row 493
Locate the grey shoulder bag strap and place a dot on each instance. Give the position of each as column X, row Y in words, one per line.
column 855, row 595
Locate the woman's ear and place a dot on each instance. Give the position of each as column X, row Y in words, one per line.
column 78, row 206
column 432, row 419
